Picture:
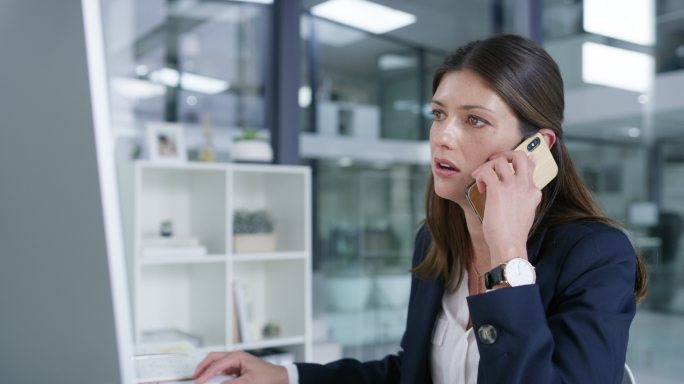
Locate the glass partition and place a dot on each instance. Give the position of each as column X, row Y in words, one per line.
column 369, row 214
column 202, row 64
column 622, row 66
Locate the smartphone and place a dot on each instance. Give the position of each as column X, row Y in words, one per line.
column 544, row 171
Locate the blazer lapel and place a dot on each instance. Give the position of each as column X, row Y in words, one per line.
column 421, row 320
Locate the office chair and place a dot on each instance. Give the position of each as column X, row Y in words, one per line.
column 628, row 378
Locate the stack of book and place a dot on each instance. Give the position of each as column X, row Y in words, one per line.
column 173, row 246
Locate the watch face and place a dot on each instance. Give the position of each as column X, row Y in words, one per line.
column 519, row 272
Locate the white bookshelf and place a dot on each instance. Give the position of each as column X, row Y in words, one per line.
column 193, row 294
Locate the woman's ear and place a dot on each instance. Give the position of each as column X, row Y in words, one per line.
column 549, row 136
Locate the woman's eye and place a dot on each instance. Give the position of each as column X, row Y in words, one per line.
column 437, row 115
column 476, row 122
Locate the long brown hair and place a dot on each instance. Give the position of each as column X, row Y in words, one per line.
column 529, row 81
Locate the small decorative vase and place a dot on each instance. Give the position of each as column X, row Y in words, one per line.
column 252, row 151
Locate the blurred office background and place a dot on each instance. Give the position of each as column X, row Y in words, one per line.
column 362, row 93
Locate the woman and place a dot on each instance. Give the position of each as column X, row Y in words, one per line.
column 567, row 319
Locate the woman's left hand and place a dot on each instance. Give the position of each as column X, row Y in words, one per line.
column 512, row 199
column 248, row 368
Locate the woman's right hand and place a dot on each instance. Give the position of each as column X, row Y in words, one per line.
column 247, row 368
column 512, row 200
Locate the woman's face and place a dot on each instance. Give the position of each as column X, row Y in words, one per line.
column 471, row 123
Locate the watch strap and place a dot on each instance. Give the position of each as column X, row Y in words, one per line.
column 494, row 277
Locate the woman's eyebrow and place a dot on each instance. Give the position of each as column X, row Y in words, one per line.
column 465, row 107
column 469, row 107
column 438, row 103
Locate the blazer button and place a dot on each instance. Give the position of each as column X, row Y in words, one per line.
column 487, row 334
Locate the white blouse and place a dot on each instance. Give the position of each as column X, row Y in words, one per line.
column 454, row 356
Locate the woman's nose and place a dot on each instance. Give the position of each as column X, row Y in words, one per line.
column 446, row 137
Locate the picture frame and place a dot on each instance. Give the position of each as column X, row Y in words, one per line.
column 166, row 142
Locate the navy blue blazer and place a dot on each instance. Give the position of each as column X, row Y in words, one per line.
column 572, row 326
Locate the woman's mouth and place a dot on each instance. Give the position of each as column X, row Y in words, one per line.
column 443, row 167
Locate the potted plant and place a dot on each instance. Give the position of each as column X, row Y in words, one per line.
column 251, row 147
column 253, row 232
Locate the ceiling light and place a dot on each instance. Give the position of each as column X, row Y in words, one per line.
column 189, row 81
column 345, row 162
column 615, row 67
column 390, row 61
column 406, row 106
column 365, row 15
column 427, row 111
column 136, row 88
column 629, row 20
column 166, row 76
column 633, row 132
column 203, row 84
column 304, row 96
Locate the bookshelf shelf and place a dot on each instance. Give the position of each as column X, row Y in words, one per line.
column 253, row 257
column 165, row 260
column 196, row 292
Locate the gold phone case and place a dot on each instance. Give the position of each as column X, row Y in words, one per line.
column 544, row 171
